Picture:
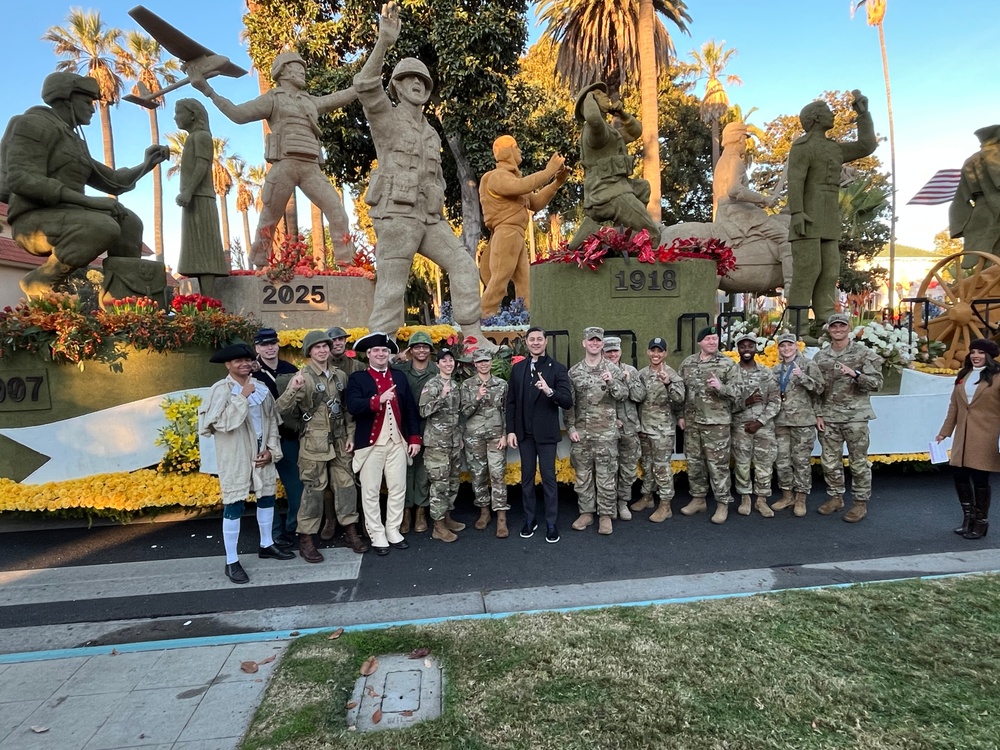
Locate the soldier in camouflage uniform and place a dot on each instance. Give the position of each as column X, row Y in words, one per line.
column 664, row 395
column 591, row 424
column 628, row 426
column 440, row 407
column 800, row 384
column 754, row 445
column 711, row 386
column 484, row 399
column 851, row 371
column 315, row 397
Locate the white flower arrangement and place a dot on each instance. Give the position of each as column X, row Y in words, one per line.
column 898, row 347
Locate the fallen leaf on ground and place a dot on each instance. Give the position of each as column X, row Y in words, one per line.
column 268, row 660
column 352, row 704
column 371, row 692
column 419, row 653
column 377, row 716
column 370, row 666
column 39, row 730
column 335, row 634
column 249, row 667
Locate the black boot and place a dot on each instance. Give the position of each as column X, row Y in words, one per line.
column 981, row 522
column 966, row 499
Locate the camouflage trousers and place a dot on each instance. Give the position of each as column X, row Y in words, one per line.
column 706, row 447
column 831, row 441
column 488, row 466
column 657, row 473
column 595, row 462
column 628, row 464
column 442, row 469
column 316, row 476
column 417, row 483
column 758, row 452
column 795, row 445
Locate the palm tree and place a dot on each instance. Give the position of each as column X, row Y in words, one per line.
column 244, row 198
column 139, row 56
column 709, row 63
column 91, row 48
column 615, row 40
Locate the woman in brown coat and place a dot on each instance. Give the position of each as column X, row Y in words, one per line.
column 974, row 416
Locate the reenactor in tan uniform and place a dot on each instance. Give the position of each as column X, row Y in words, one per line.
column 851, row 372
column 315, row 397
column 418, row 369
column 440, row 402
column 664, row 395
column 628, row 426
column 754, row 446
column 484, row 400
column 711, row 387
column 800, row 383
column 591, row 424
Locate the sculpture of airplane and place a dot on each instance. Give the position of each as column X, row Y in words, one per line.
column 183, row 47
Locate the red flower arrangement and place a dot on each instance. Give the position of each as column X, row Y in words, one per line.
column 189, row 304
column 709, row 248
column 294, row 258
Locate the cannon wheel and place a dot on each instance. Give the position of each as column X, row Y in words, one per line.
column 974, row 275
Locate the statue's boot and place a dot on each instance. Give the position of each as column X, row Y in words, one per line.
column 587, row 227
column 44, row 279
column 473, row 330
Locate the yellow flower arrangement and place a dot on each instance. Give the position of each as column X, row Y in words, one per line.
column 767, row 358
column 931, row 370
column 180, row 436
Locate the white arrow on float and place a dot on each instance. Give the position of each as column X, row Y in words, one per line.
column 121, row 438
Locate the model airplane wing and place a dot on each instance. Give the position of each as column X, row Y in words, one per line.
column 177, row 43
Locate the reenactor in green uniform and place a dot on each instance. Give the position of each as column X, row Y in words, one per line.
column 754, row 446
column 657, row 436
column 440, row 402
column 628, row 426
column 851, row 372
column 591, row 424
column 800, row 383
column 484, row 400
column 711, row 386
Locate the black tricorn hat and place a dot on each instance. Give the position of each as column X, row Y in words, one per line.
column 238, row 350
column 376, row 338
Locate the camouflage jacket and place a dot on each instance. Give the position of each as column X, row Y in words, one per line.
column 441, row 414
column 704, row 405
column 657, row 416
column 319, row 407
column 798, row 402
column 594, row 411
column 751, row 380
column 628, row 409
column 484, row 416
column 846, row 399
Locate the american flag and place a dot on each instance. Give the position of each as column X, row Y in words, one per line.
column 940, row 189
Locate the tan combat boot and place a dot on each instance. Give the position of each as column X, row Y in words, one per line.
column 624, row 513
column 502, row 532
column 786, row 501
column 662, row 512
column 800, row 504
column 451, row 523
column 583, row 521
column 646, row 501
column 721, row 512
column 858, row 510
column 442, row 532
column 831, row 506
column 404, row 526
column 420, row 523
column 604, row 525
column 484, row 518
column 697, row 505
column 744, row 509
column 761, row 506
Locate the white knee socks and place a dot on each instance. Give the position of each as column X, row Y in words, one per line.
column 265, row 520
column 231, row 537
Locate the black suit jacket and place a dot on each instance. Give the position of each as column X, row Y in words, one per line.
column 531, row 412
column 358, row 395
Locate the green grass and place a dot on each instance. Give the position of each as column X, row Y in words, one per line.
column 911, row 665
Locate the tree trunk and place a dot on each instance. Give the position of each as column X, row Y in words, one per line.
column 292, row 218
column 107, row 137
column 715, row 142
column 246, row 230
column 472, row 212
column 224, row 220
column 318, row 238
column 154, row 132
column 650, row 110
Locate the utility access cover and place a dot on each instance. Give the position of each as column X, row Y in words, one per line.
column 399, row 694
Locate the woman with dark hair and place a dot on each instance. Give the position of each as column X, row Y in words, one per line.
column 974, row 416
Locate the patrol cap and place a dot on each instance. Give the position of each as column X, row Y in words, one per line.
column 839, row 318
column 421, row 337
column 482, row 355
column 707, row 331
column 593, row 332
column 787, row 338
column 748, row 336
column 376, row 338
column 612, row 344
column 336, row 333
column 657, row 343
column 312, row 338
column 239, row 350
column 445, row 352
column 266, row 336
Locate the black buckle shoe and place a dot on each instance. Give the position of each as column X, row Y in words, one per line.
column 401, row 544
column 236, row 574
column 274, row 553
column 381, row 551
column 529, row 529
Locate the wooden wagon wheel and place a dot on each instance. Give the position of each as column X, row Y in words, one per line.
column 974, row 275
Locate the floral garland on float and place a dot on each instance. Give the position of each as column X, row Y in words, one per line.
column 295, row 258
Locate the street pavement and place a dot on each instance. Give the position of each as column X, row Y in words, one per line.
column 129, row 636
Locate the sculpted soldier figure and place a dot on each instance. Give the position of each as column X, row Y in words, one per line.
column 814, row 163
column 664, row 396
column 591, row 424
column 484, row 399
column 609, row 191
column 440, row 407
column 851, row 373
column 974, row 214
column 800, row 383
column 711, row 386
column 406, row 192
column 754, row 445
column 292, row 148
column 44, row 166
column 508, row 199
column 628, row 426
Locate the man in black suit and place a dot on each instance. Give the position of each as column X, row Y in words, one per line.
column 538, row 387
